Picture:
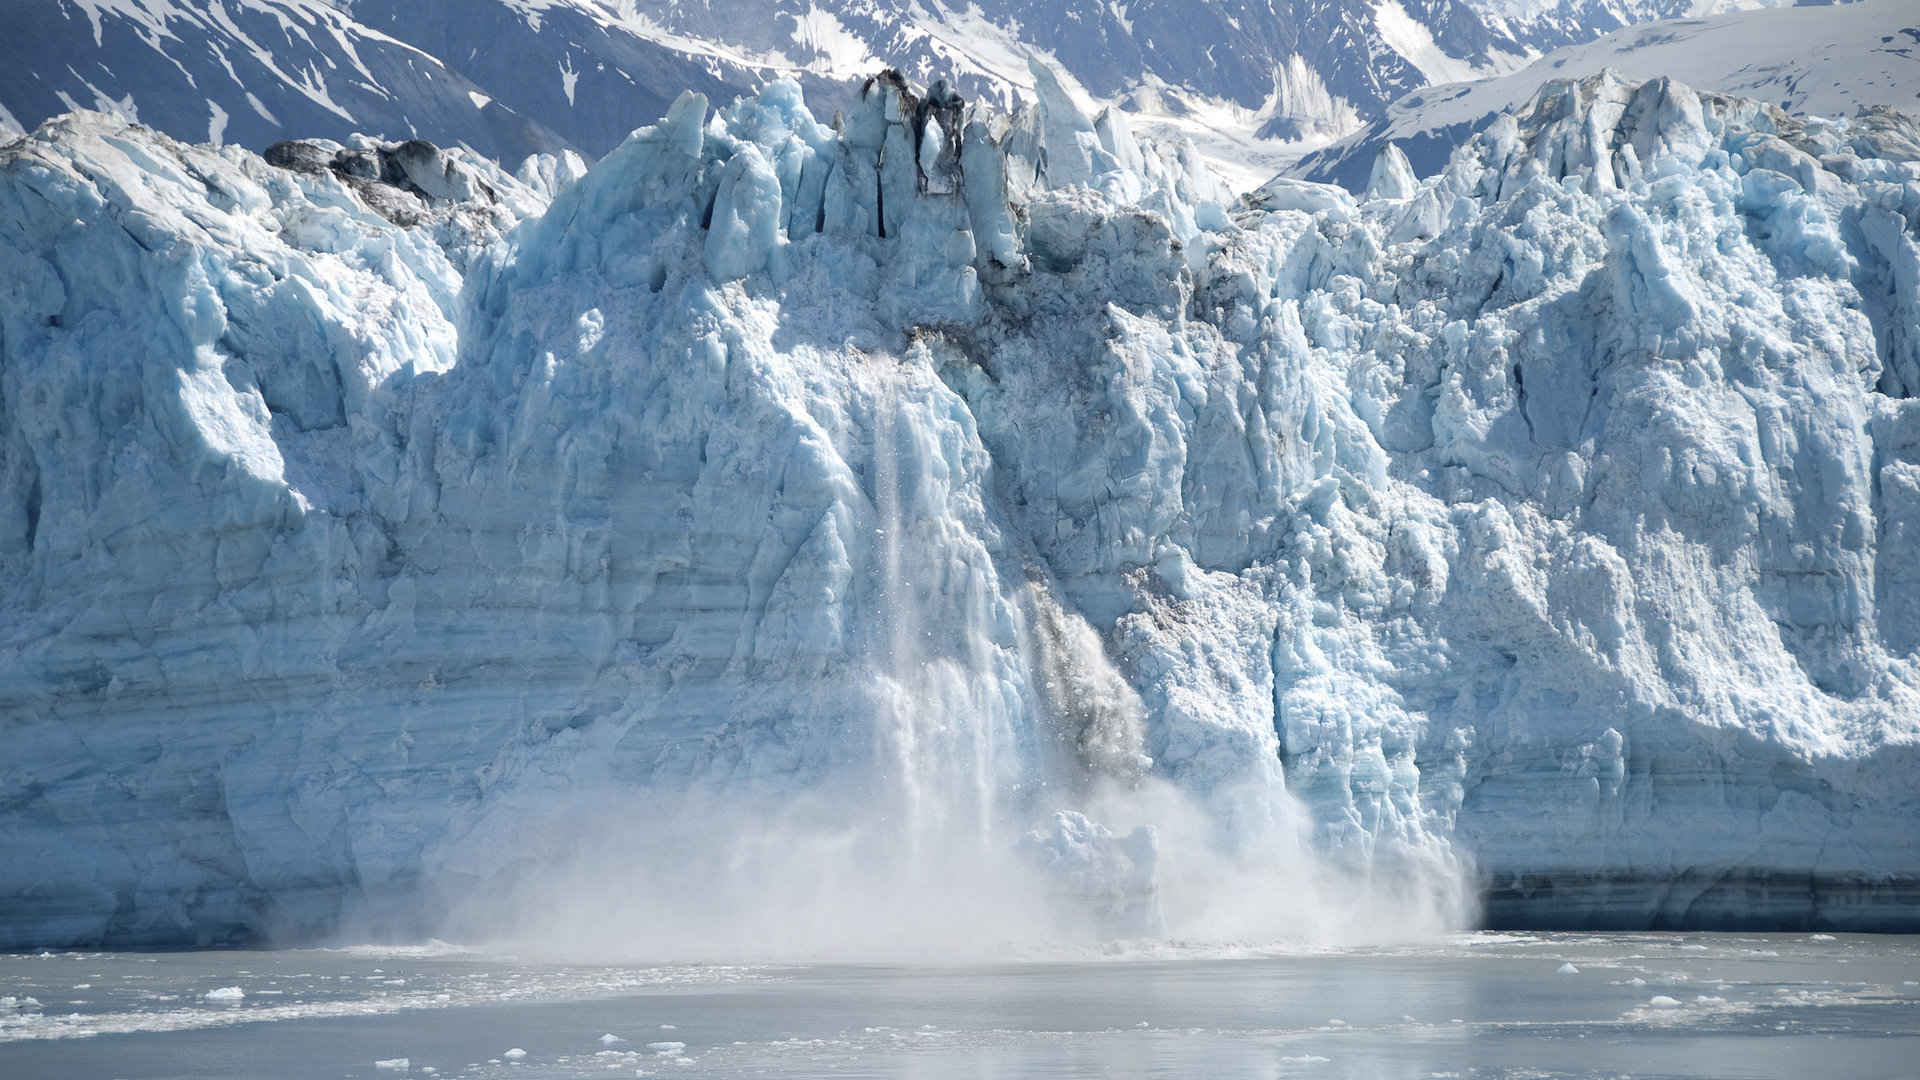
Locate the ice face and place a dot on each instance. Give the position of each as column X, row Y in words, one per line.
column 1392, row 176
column 757, row 508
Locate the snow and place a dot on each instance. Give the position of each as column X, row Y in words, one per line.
column 1414, row 41
column 1300, row 95
column 216, row 123
column 1081, row 551
column 843, row 53
column 1826, row 60
column 261, row 108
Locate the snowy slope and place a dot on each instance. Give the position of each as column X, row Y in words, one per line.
column 780, row 535
column 1252, row 83
column 247, row 71
column 253, row 72
column 1819, row 61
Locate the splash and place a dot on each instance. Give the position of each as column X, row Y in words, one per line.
column 1006, row 805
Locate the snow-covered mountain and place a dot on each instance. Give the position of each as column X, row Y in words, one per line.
column 1247, row 80
column 1823, row 61
column 254, row 72
column 798, row 531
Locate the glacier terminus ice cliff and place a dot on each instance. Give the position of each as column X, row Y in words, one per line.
column 949, row 520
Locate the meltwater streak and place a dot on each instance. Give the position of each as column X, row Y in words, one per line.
column 986, row 823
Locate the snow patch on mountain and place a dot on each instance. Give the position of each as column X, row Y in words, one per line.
column 841, row 51
column 1412, row 40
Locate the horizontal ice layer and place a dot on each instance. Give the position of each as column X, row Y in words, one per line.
column 1558, row 511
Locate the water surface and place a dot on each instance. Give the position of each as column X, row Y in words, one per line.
column 1474, row 1005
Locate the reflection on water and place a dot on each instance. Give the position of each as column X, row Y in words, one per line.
column 1575, row 1005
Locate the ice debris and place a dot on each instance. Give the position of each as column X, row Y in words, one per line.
column 1100, row 875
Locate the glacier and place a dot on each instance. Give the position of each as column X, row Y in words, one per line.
column 954, row 519
column 1825, row 60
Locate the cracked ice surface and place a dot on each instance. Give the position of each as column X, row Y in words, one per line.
column 1559, row 512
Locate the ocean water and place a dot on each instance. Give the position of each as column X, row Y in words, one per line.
column 1470, row 1005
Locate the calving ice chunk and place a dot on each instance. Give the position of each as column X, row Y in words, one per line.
column 960, row 527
